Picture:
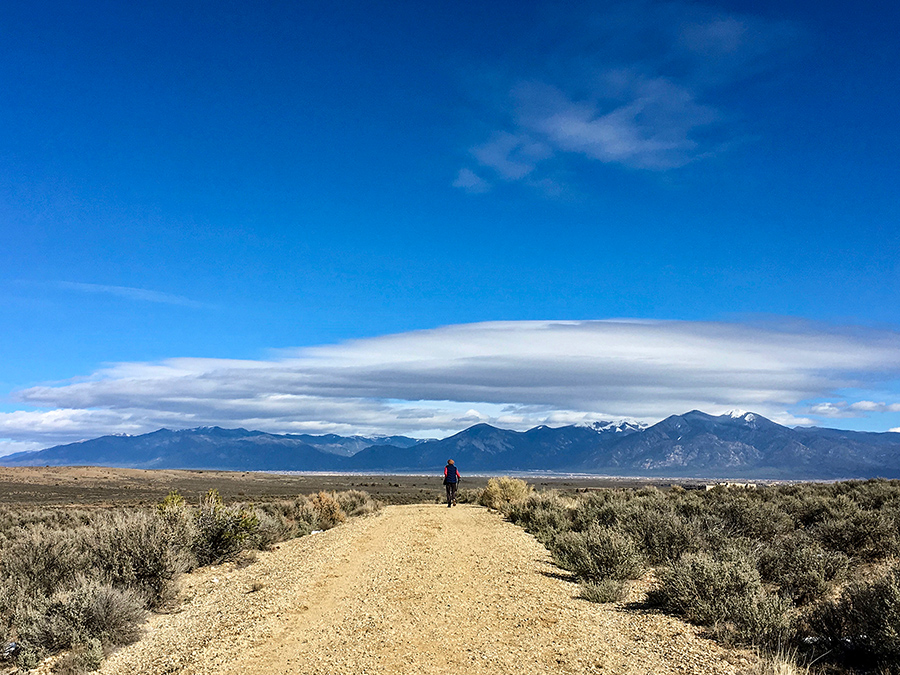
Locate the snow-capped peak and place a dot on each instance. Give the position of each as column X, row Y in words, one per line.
column 740, row 415
column 617, row 427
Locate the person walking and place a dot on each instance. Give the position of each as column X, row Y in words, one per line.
column 451, row 482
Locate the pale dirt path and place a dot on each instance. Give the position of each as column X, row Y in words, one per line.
column 415, row 589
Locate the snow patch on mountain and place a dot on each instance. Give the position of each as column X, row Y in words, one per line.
column 615, row 427
column 740, row 415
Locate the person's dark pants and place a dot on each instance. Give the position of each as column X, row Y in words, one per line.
column 451, row 493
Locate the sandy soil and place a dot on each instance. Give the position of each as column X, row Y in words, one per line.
column 413, row 589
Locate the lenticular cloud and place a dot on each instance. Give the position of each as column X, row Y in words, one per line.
column 432, row 382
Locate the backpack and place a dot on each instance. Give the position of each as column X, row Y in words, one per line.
column 452, row 474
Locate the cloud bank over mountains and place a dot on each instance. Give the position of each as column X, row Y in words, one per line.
column 512, row 374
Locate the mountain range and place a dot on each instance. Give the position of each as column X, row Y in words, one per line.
column 695, row 444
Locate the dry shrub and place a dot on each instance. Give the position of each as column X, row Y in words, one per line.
column 305, row 512
column 598, row 553
column 863, row 625
column 127, row 549
column 501, row 492
column 68, row 619
column 83, row 658
column 463, row 496
column 271, row 529
column 803, row 570
column 81, row 580
column 298, row 513
column 221, row 530
column 778, row 662
column 604, row 590
column 13, row 519
column 283, row 520
column 41, row 559
column 356, row 503
column 112, row 615
column 544, row 514
column 139, row 551
column 328, row 511
column 727, row 593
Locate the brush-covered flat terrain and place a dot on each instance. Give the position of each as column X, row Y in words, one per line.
column 414, row 587
column 210, row 572
column 90, row 485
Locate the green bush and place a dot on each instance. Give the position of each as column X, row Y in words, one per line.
column 705, row 590
column 598, row 508
column 755, row 566
column 749, row 517
column 764, row 620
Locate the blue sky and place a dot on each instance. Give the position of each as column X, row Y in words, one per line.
column 215, row 193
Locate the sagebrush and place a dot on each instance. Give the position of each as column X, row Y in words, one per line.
column 83, row 580
column 769, row 567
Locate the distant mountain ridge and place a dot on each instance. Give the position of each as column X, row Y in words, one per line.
column 694, row 444
column 348, row 446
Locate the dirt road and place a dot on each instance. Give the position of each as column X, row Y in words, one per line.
column 414, row 589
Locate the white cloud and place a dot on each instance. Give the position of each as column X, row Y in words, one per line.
column 471, row 182
column 839, row 409
column 650, row 129
column 868, row 406
column 517, row 374
column 511, row 156
column 634, row 84
column 830, row 410
column 8, row 447
column 129, row 293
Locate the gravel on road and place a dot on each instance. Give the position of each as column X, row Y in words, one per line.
column 413, row 589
